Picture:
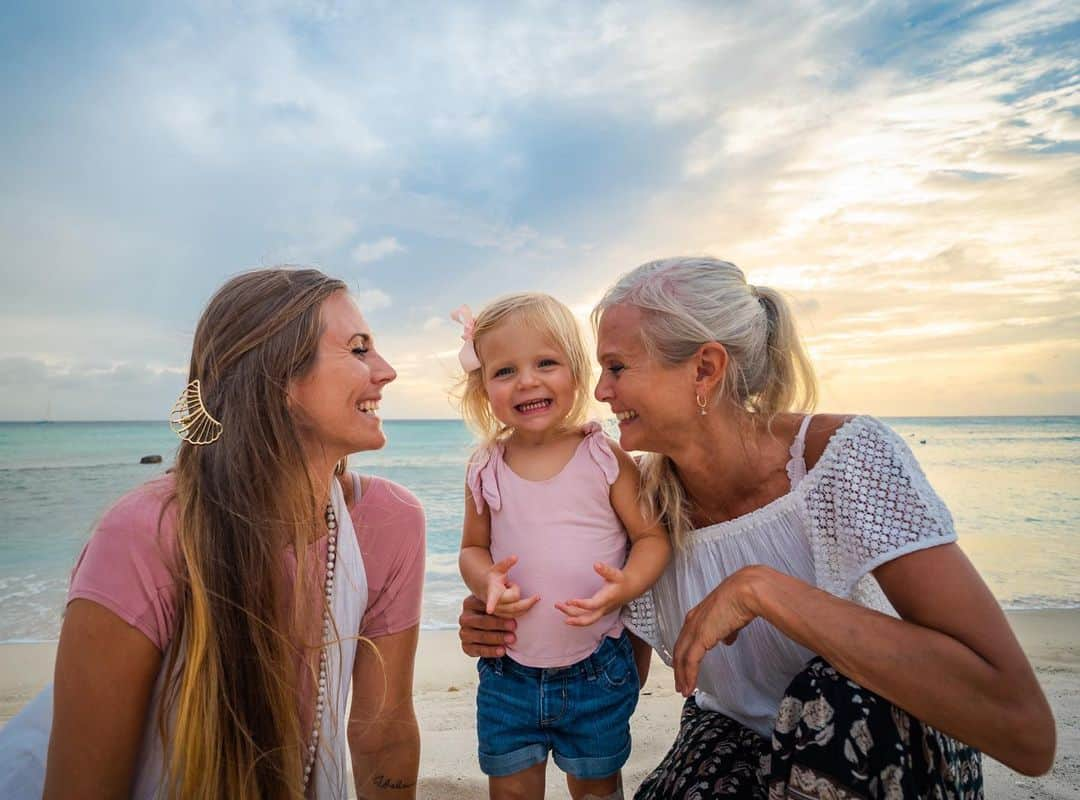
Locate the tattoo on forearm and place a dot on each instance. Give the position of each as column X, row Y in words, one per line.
column 384, row 782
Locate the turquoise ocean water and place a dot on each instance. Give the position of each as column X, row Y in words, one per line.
column 1012, row 483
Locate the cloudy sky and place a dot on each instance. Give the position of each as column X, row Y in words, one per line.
column 908, row 173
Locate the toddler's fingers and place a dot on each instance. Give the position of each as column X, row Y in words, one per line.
column 587, row 618
column 608, row 572
column 587, row 603
column 516, row 609
column 531, row 601
column 570, row 610
column 511, row 594
column 494, row 595
column 504, row 565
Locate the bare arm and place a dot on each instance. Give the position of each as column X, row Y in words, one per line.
column 105, row 673
column 650, row 548
column 475, row 561
column 952, row 661
column 487, row 580
column 384, row 738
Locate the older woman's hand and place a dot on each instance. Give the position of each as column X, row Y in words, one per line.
column 724, row 612
column 483, row 634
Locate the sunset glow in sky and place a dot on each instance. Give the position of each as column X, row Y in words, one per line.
column 908, row 174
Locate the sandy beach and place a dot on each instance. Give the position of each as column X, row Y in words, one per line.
column 445, row 704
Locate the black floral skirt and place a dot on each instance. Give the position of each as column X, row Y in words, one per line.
column 832, row 739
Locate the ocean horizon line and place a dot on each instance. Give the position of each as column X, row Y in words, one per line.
column 458, row 419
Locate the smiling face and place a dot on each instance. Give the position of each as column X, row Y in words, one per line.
column 528, row 381
column 652, row 400
column 335, row 405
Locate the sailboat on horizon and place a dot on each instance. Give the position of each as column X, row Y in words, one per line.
column 48, row 414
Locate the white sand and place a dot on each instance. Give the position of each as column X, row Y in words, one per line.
column 446, row 696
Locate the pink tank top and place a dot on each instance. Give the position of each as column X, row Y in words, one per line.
column 558, row 528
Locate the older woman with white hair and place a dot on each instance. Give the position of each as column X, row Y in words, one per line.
column 830, row 634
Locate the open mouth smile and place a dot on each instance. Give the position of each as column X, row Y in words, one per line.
column 534, row 406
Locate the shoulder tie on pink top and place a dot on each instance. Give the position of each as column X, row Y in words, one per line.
column 600, row 450
column 481, row 479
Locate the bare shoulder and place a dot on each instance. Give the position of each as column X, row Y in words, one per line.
column 820, row 432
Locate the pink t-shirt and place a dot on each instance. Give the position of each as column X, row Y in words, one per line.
column 125, row 566
column 558, row 528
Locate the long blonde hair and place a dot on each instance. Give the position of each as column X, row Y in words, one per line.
column 540, row 312
column 232, row 682
column 687, row 302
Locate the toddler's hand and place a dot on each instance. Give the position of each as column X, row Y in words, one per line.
column 608, row 598
column 503, row 597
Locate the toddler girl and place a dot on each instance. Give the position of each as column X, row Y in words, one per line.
column 550, row 505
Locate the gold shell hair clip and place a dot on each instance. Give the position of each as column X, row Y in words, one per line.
column 191, row 421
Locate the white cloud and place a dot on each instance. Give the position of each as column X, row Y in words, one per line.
column 372, row 299
column 366, row 252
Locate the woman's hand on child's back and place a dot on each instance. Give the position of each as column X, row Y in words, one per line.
column 613, row 595
column 503, row 597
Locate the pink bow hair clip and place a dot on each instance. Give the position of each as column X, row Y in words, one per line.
column 467, row 355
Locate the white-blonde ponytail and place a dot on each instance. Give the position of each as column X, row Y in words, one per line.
column 789, row 383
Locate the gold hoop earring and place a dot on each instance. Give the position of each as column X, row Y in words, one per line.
column 702, row 404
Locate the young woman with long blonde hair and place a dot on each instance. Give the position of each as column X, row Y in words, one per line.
column 221, row 616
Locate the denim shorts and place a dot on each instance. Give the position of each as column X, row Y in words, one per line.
column 581, row 713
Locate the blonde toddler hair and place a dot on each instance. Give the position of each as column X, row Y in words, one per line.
column 540, row 312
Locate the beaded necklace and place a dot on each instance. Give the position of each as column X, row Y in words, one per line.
column 320, row 700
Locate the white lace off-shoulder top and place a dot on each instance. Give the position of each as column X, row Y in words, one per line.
column 865, row 502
